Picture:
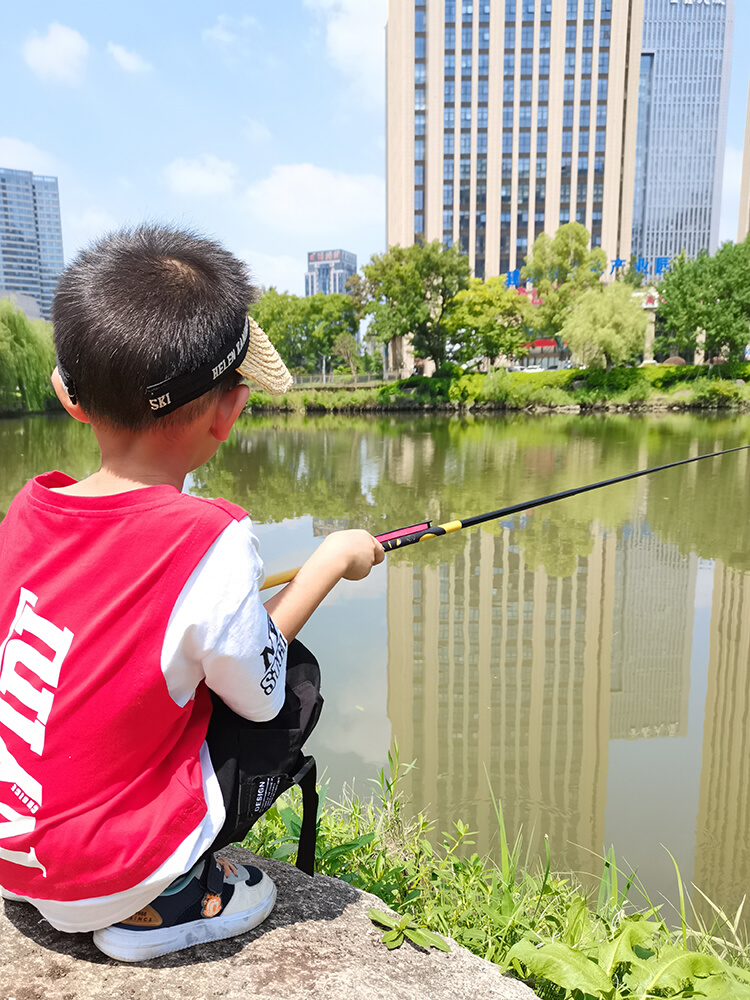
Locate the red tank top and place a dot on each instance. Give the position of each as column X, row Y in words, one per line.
column 100, row 779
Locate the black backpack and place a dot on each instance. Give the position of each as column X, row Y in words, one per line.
column 255, row 762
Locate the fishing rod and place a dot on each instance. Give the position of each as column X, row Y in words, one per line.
column 400, row 537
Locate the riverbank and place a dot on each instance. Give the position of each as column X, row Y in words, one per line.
column 656, row 388
column 541, row 926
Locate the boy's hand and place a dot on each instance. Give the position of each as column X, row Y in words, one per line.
column 357, row 549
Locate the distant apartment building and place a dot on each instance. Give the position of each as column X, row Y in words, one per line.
column 328, row 271
column 507, row 118
column 31, row 252
column 683, row 88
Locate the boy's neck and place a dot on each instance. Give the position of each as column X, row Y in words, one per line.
column 133, row 461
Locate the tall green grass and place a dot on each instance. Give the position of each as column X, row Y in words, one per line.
column 538, row 925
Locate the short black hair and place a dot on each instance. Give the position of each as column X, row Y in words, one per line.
column 142, row 305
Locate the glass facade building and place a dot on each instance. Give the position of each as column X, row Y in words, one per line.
column 508, row 118
column 328, row 271
column 683, row 93
column 31, row 252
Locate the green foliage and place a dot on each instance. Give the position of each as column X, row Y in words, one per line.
column 491, row 319
column 27, row 358
column 399, row 929
column 561, row 269
column 607, row 326
column 708, row 296
column 533, row 923
column 409, row 292
column 717, row 393
column 303, row 329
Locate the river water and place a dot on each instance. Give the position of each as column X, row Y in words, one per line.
column 587, row 663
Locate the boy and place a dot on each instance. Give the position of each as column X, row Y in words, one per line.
column 125, row 600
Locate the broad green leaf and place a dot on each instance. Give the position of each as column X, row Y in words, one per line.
column 563, row 966
column 393, row 939
column 436, row 941
column 378, row 917
column 671, row 970
column 633, row 933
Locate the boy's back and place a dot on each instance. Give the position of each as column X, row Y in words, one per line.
column 126, row 600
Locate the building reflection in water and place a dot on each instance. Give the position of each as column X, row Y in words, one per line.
column 501, row 675
column 722, row 853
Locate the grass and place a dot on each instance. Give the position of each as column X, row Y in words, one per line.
column 683, row 386
column 541, row 926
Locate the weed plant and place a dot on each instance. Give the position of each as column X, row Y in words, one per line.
column 537, row 925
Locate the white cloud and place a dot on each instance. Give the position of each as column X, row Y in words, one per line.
column 59, row 55
column 15, row 154
column 355, row 41
column 131, row 62
column 730, row 194
column 317, row 203
column 207, row 176
column 230, row 34
column 284, row 272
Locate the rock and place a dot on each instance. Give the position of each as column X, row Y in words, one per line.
column 318, row 944
column 739, row 381
column 577, row 384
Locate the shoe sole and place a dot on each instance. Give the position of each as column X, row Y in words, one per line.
column 7, row 894
column 140, row 946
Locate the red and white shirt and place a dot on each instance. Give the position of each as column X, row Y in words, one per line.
column 116, row 614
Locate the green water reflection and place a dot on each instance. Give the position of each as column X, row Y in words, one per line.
column 589, row 660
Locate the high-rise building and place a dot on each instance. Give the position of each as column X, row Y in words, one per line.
column 507, row 118
column 684, row 89
column 31, row 252
column 743, row 227
column 328, row 271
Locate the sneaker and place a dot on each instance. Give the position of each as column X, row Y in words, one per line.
column 7, row 894
column 215, row 902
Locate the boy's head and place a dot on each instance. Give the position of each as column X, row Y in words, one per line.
column 150, row 324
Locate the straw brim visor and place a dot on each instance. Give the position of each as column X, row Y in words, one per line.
column 262, row 362
column 250, row 353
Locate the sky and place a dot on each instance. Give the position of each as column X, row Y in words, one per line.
column 259, row 123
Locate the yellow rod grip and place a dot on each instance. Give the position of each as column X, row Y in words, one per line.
column 276, row 579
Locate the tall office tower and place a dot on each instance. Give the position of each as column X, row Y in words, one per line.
column 31, row 253
column 507, row 118
column 743, row 227
column 684, row 89
column 328, row 271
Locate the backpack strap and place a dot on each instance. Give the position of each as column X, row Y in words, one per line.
column 306, row 778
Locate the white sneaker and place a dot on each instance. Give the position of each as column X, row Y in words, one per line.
column 217, row 903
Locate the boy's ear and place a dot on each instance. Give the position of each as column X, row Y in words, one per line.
column 228, row 407
column 74, row 409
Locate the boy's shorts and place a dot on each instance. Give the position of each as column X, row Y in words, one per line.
column 256, row 761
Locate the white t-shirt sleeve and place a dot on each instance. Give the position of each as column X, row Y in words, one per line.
column 220, row 632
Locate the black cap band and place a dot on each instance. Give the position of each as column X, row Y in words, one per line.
column 166, row 396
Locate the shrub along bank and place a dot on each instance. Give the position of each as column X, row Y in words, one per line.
column 654, row 387
column 540, row 926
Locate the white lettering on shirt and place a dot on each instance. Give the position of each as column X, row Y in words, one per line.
column 15, row 651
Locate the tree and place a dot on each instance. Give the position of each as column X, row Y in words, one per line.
column 303, row 329
column 607, row 327
column 27, row 358
column 710, row 294
column 492, row 317
column 561, row 270
column 410, row 290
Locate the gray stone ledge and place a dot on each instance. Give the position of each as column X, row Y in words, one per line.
column 318, row 944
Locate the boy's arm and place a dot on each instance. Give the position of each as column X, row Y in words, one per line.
column 344, row 555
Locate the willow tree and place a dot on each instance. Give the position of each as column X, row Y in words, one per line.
column 27, row 358
column 489, row 318
column 562, row 269
column 607, row 327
